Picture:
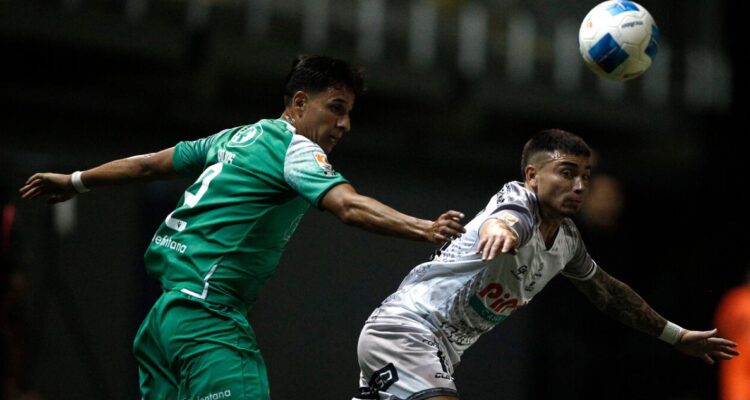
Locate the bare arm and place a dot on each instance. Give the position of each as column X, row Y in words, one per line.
column 369, row 214
column 141, row 168
column 622, row 303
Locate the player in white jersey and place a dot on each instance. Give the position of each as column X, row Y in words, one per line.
column 410, row 345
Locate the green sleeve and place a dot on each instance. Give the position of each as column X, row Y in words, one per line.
column 189, row 157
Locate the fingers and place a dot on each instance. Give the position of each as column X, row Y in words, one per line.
column 721, row 341
column 725, row 349
column 30, row 184
column 509, row 247
column 482, row 243
column 447, row 233
column 492, row 246
column 33, row 177
column 454, row 215
column 708, row 347
column 30, row 192
column 448, row 226
column 56, row 187
column 453, row 219
column 485, row 246
column 723, row 355
column 490, row 250
column 439, row 238
column 453, row 226
column 27, row 192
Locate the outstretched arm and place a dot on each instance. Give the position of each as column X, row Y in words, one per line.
column 369, row 214
column 495, row 236
column 622, row 303
column 61, row 187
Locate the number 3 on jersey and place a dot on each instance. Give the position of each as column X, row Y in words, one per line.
column 192, row 199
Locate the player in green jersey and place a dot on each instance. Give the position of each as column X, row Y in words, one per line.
column 213, row 253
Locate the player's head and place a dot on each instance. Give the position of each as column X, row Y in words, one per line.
column 319, row 95
column 556, row 165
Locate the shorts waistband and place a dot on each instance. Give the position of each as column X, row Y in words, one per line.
column 211, row 297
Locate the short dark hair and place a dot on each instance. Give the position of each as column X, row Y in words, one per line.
column 314, row 74
column 550, row 140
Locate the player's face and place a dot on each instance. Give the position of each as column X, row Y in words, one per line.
column 324, row 117
column 561, row 183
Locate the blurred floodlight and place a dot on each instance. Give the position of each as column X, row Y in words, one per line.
column 423, row 32
column 370, row 29
column 520, row 45
column 472, row 40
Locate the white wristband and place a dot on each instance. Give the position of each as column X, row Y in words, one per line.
column 671, row 333
column 75, row 179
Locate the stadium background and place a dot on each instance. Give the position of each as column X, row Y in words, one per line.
column 455, row 88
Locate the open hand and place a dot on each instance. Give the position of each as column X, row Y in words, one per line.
column 446, row 227
column 706, row 346
column 495, row 237
column 57, row 187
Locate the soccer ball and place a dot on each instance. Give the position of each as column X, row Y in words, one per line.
column 618, row 39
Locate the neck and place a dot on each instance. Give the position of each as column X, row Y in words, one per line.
column 548, row 227
column 287, row 117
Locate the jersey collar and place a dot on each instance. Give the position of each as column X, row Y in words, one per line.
column 288, row 125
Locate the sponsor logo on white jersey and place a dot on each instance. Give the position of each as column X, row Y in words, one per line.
column 508, row 218
column 322, row 161
column 493, row 303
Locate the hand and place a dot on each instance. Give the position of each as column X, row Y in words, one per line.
column 57, row 186
column 495, row 236
column 446, row 227
column 706, row 346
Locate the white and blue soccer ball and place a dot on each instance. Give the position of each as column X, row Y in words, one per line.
column 618, row 39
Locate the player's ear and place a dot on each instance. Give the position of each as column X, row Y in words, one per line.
column 530, row 173
column 299, row 102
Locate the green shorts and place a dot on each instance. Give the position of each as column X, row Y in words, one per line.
column 187, row 349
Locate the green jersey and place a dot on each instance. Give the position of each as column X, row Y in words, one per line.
column 225, row 239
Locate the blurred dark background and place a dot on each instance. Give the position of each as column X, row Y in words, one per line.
column 455, row 89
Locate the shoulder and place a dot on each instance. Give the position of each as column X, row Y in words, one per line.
column 257, row 129
column 514, row 190
column 301, row 147
column 305, row 154
column 569, row 229
column 515, row 194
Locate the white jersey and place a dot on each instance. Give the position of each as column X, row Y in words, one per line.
column 459, row 297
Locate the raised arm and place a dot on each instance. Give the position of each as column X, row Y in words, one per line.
column 622, row 303
column 369, row 214
column 61, row 187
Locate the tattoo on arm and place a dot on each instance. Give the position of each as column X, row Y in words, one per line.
column 620, row 302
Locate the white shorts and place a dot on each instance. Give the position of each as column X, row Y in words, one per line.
column 400, row 359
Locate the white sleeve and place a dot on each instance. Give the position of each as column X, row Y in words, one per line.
column 514, row 205
column 308, row 172
column 581, row 266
